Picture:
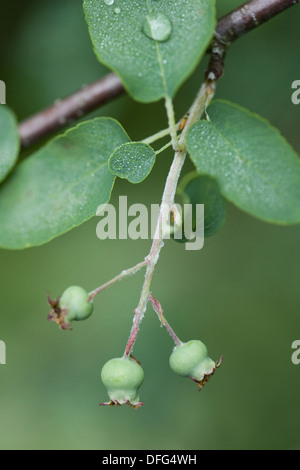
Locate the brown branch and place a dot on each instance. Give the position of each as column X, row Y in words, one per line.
column 235, row 24
column 67, row 110
column 230, row 27
column 248, row 16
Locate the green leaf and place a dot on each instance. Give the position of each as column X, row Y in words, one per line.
column 9, row 141
column 150, row 68
column 133, row 161
column 60, row 186
column 202, row 189
column 256, row 168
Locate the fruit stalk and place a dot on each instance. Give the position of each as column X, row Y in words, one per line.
column 199, row 105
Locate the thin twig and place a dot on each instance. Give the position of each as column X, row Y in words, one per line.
column 162, row 149
column 248, row 16
column 167, row 201
column 119, row 277
column 69, row 109
column 235, row 24
column 158, row 135
column 158, row 309
column 201, row 101
column 231, row 26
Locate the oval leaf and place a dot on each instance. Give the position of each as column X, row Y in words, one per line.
column 60, row 186
column 9, row 141
column 256, row 168
column 122, row 32
column 202, row 189
column 133, row 161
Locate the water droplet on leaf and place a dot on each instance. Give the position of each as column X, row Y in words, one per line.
column 157, row 26
column 109, row 2
column 117, row 10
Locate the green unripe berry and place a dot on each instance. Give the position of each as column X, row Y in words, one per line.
column 74, row 301
column 206, row 367
column 191, row 360
column 186, row 357
column 122, row 378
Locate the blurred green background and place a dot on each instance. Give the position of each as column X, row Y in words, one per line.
column 239, row 294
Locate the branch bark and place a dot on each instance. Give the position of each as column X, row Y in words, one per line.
column 230, row 27
column 235, row 24
column 73, row 107
column 248, row 16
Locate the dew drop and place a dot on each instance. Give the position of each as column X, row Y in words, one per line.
column 117, row 10
column 157, row 26
column 109, row 2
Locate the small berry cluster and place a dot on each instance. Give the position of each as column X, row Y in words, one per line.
column 123, row 376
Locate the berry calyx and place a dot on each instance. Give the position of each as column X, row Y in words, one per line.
column 191, row 360
column 73, row 305
column 122, row 378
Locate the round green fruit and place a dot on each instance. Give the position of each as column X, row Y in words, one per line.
column 122, row 378
column 187, row 357
column 74, row 301
column 204, row 368
column 191, row 360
